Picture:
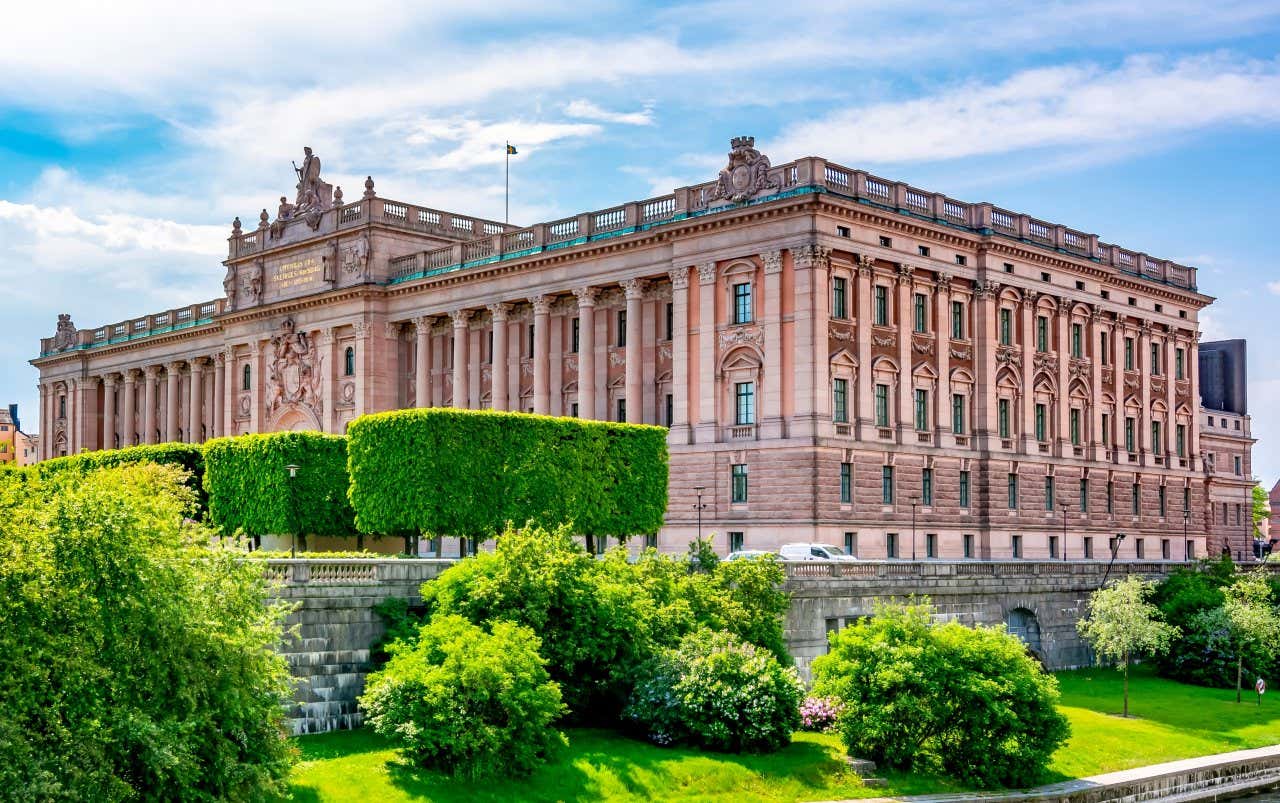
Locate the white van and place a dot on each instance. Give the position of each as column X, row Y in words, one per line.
column 813, row 552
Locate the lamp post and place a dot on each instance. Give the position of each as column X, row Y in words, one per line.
column 915, row 501
column 293, row 510
column 1186, row 544
column 1063, row 505
column 699, row 507
column 1115, row 550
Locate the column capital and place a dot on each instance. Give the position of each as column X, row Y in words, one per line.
column 706, row 273
column 942, row 282
column 587, row 296
column 109, row 381
column 904, row 273
column 362, row 329
column 811, row 255
column 772, row 261
column 392, row 329
column 633, row 289
column 866, row 264
column 986, row 289
column 151, row 371
column 220, row 358
column 541, row 304
column 1029, row 299
column 325, row 338
column 679, row 278
column 173, row 366
column 196, row 364
column 460, row 317
column 498, row 312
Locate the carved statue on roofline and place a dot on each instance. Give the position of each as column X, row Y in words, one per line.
column 746, row 175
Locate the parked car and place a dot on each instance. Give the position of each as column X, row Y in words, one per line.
column 748, row 554
column 813, row 552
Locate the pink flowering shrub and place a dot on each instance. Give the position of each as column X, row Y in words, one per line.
column 820, row 713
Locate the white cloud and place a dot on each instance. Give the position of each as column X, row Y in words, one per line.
column 1071, row 107
column 1274, row 288
column 587, row 110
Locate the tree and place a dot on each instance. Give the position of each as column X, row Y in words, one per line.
column 1251, row 620
column 1261, row 509
column 1122, row 625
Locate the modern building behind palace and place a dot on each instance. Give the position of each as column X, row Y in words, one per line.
column 836, row 355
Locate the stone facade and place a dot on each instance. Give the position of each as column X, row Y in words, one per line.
column 838, row 357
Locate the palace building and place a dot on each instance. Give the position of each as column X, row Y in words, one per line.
column 838, row 357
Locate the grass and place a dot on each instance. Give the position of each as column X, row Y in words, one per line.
column 1169, row 721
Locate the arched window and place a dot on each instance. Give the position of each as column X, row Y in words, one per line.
column 248, row 376
column 349, row 362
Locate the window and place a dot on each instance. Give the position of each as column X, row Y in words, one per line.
column 573, row 409
column 846, row 483
column 886, row 485
column 246, row 378
column 450, row 351
column 1155, row 437
column 1048, row 493
column 964, row 489
column 931, row 545
column 1044, row 277
column 348, row 362
column 744, row 407
column 851, row 544
column 839, row 298
column 1040, row 422
column 840, row 400
column 1128, row 354
column 1237, row 514
column 1139, row 547
column 489, row 351
column 968, row 545
column 926, row 487
column 922, row 409
column 1178, row 357
column 886, row 242
column 1133, row 302
column 957, row 320
column 1084, row 495
column 920, row 317
column 1042, row 333
column 957, row 413
column 1079, row 285
column 891, row 545
column 1155, row 359
column 1088, row 547
column 1137, row 497
column 1016, row 544
column 620, row 336
column 738, row 483
column 671, row 411
column 1106, row 428
column 1191, row 545
column 1074, row 420
column 882, row 305
column 622, row 411
column 670, row 321
column 735, row 541
column 1053, row 546
column 1006, row 327
column 1164, row 548
column 1013, row 491
column 923, row 250
column 1106, row 352
column 1237, row 461
column 1186, row 500
column 1077, row 340
column 1008, row 267
column 1161, row 501
column 882, row 405
column 1128, row 434
column 742, row 303
column 1111, row 496
column 961, row 259
column 843, row 231
column 575, row 333
column 1002, row 416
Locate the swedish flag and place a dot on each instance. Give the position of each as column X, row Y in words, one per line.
column 511, row 149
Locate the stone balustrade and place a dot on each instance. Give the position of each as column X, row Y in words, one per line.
column 170, row 320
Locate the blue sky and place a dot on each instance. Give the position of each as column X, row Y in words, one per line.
column 131, row 134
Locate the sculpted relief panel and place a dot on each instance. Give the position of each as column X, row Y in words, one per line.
column 293, row 375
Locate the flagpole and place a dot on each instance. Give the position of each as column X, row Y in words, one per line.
column 506, row 195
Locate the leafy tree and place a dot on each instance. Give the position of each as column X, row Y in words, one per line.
column 969, row 698
column 466, row 701
column 1123, row 625
column 138, row 663
column 1251, row 620
column 1261, row 509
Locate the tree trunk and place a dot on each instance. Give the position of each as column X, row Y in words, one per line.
column 1126, row 685
column 1239, row 672
column 359, row 542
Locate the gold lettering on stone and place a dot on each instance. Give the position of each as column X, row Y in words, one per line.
column 296, row 273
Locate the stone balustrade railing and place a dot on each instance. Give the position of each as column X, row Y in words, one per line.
column 158, row 323
column 296, row 572
column 930, row 570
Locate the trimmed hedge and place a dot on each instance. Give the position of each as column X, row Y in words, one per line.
column 187, row 456
column 468, row 472
column 248, row 484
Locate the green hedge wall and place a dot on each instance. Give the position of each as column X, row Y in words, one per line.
column 187, row 455
column 467, row 473
column 248, row 484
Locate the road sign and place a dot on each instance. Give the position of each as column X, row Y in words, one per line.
column 1260, row 686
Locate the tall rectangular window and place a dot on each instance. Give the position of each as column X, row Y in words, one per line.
column 620, row 336
column 1013, row 491
column 1053, row 546
column 1180, row 439
column 839, row 298
column 575, row 326
column 840, row 400
column 922, row 409
column 744, row 394
column 1128, row 354
column 1106, row 350
column 1016, row 546
column 1041, row 425
column 1106, row 429
column 921, row 317
column 1155, row 437
column 1178, row 357
column 882, row 305
column 1042, row 333
column 957, row 413
column 622, row 411
column 1048, row 493
column 735, row 541
column 846, row 483
column 968, row 545
column 882, row 405
column 671, row 411
column 1155, row 359
column 957, row 320
column 886, row 485
column 738, row 482
column 670, row 321
column 1088, row 547
column 742, row 302
column 1084, row 495
column 926, row 487
column 851, row 544
column 1129, row 434
column 891, row 545
column 1137, row 498
column 964, row 489
column 1161, row 501
column 1074, row 420
column 1111, row 497
column 1186, row 500
column 1077, row 340
column 1006, row 327
column 931, row 545
column 1002, row 417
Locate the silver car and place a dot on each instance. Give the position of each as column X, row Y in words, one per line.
column 813, row 552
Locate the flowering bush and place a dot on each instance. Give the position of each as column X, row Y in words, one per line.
column 820, row 713
column 715, row 691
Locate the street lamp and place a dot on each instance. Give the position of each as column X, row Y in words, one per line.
column 915, row 500
column 1064, row 506
column 699, row 507
column 293, row 510
column 1115, row 550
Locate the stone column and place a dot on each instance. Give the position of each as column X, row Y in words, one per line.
column 1096, row 328
column 541, row 354
column 363, row 330
column 706, row 428
column 1028, row 372
column 866, row 402
column 475, row 370
column 75, row 438
column 150, row 391
column 1193, row 371
column 812, row 365
column 986, row 337
column 218, row 402
column 586, row 351
column 195, row 420
column 555, row 352
column 46, row 430
column 1064, row 377
column 634, row 291
column 173, row 399
column 771, row 424
column 942, row 344
column 1171, row 398
column 1144, row 366
column 679, row 433
column 109, row 412
column 460, row 318
column 422, row 361
column 130, row 407
column 906, row 380
column 255, row 387
column 498, row 392
column 328, row 384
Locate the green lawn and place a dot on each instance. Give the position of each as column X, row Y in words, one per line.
column 1170, row 721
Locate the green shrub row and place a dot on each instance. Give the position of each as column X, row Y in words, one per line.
column 468, row 473
column 187, row 456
